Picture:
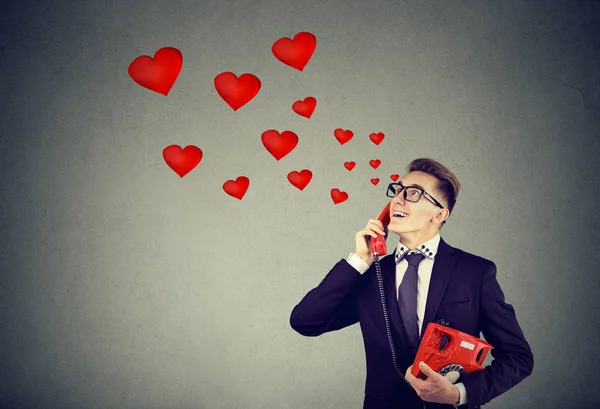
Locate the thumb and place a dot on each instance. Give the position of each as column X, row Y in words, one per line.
column 427, row 370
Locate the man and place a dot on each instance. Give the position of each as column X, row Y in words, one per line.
column 449, row 283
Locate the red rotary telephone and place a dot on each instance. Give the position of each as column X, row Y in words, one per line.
column 446, row 349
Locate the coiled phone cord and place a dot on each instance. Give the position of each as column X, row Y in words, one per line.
column 387, row 319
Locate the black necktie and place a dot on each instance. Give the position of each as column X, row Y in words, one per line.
column 407, row 300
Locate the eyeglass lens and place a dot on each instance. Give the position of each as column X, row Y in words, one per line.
column 412, row 194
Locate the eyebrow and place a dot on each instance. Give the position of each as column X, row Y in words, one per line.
column 414, row 184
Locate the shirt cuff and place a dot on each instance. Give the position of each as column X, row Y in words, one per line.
column 358, row 263
column 462, row 392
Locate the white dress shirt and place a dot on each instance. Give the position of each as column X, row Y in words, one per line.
column 429, row 250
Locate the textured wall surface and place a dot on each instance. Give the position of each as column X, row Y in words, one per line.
column 126, row 286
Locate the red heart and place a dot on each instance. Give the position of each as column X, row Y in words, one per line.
column 375, row 163
column 343, row 136
column 300, row 179
column 349, row 165
column 338, row 196
column 182, row 160
column 159, row 73
column 237, row 92
column 296, row 52
column 306, row 107
column 277, row 144
column 375, row 181
column 238, row 188
column 394, row 177
column 376, row 138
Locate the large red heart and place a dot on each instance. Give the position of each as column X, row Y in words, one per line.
column 182, row 160
column 375, row 163
column 376, row 138
column 237, row 92
column 338, row 196
column 277, row 144
column 300, row 179
column 238, row 188
column 306, row 107
column 375, row 181
column 159, row 73
column 394, row 176
column 297, row 52
column 343, row 136
column 349, row 165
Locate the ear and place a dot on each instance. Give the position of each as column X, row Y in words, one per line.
column 441, row 215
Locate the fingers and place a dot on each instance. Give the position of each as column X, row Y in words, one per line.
column 366, row 234
column 409, row 376
column 376, row 225
column 373, row 229
column 414, row 381
column 370, row 232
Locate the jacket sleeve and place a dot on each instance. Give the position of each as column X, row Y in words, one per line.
column 330, row 306
column 513, row 360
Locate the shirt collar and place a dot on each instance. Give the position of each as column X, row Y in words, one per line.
column 428, row 249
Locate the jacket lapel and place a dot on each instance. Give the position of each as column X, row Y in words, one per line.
column 444, row 262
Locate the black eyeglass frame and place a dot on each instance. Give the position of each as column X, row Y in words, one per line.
column 391, row 187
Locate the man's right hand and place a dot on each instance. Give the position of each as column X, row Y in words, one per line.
column 363, row 237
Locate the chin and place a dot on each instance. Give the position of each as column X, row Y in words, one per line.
column 400, row 229
column 393, row 231
column 397, row 229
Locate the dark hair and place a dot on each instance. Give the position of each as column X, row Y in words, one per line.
column 447, row 182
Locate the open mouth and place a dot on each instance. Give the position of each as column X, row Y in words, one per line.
column 400, row 215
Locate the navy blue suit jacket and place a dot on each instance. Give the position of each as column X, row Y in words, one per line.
column 463, row 290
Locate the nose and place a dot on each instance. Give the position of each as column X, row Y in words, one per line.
column 400, row 198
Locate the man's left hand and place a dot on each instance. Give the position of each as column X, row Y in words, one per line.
column 436, row 388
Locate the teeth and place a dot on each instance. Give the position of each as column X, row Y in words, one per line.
column 400, row 214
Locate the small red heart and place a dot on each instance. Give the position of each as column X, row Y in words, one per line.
column 375, row 181
column 182, row 161
column 394, row 177
column 300, row 179
column 278, row 144
column 238, row 188
column 375, row 163
column 237, row 92
column 297, row 52
column 343, row 136
column 306, row 107
column 338, row 196
column 349, row 165
column 376, row 138
column 159, row 73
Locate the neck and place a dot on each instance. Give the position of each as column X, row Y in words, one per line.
column 412, row 240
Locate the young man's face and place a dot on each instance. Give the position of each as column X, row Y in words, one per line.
column 423, row 215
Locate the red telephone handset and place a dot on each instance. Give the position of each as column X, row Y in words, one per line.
column 378, row 243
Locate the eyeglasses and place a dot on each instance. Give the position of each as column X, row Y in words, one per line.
column 411, row 193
